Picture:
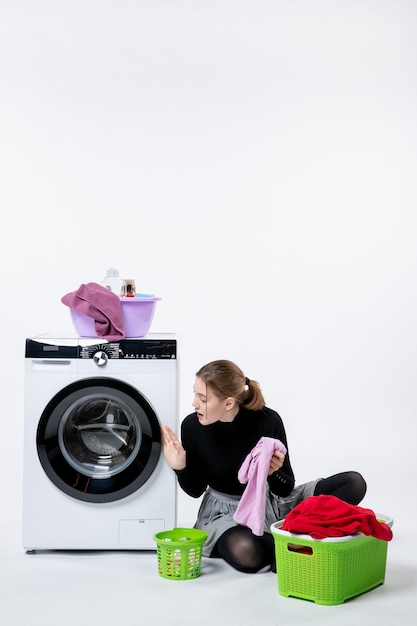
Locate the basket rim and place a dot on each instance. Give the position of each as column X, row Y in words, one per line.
column 138, row 299
column 277, row 530
column 196, row 536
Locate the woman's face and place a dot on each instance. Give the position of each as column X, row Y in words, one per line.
column 209, row 407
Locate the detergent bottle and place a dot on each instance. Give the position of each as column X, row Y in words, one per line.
column 113, row 282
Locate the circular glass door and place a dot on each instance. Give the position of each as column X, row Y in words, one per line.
column 99, row 440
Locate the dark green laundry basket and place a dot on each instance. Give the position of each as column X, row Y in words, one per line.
column 179, row 552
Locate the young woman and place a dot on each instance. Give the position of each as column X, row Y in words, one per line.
column 229, row 420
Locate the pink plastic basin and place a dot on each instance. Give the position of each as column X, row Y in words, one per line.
column 137, row 314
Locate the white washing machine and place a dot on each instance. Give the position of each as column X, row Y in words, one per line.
column 95, row 477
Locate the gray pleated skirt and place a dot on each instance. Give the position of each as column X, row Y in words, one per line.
column 216, row 511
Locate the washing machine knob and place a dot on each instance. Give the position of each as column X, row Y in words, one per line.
column 100, row 358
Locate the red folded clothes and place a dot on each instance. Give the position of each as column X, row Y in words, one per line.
column 328, row 516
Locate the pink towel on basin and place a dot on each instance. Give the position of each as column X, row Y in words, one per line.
column 102, row 305
column 254, row 471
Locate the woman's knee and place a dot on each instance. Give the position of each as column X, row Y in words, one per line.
column 244, row 551
column 348, row 486
column 359, row 487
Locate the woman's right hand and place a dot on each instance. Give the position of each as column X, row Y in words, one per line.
column 173, row 450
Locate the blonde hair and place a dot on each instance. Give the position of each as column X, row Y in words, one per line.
column 227, row 380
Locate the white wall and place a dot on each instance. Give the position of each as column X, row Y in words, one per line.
column 252, row 163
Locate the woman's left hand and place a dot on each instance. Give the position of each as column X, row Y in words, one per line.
column 277, row 461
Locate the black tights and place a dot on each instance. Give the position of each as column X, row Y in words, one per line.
column 248, row 553
column 348, row 486
column 244, row 551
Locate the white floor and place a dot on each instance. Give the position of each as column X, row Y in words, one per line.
column 65, row 588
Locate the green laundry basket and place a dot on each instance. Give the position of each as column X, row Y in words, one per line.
column 328, row 571
column 179, row 552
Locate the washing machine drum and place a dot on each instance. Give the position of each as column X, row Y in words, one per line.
column 99, row 440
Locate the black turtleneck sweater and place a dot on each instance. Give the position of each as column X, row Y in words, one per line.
column 216, row 452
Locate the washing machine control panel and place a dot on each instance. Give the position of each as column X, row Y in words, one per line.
column 99, row 352
column 130, row 349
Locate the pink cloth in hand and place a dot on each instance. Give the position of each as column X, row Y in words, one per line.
column 254, row 471
column 102, row 305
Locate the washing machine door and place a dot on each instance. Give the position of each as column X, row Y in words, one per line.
column 99, row 440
